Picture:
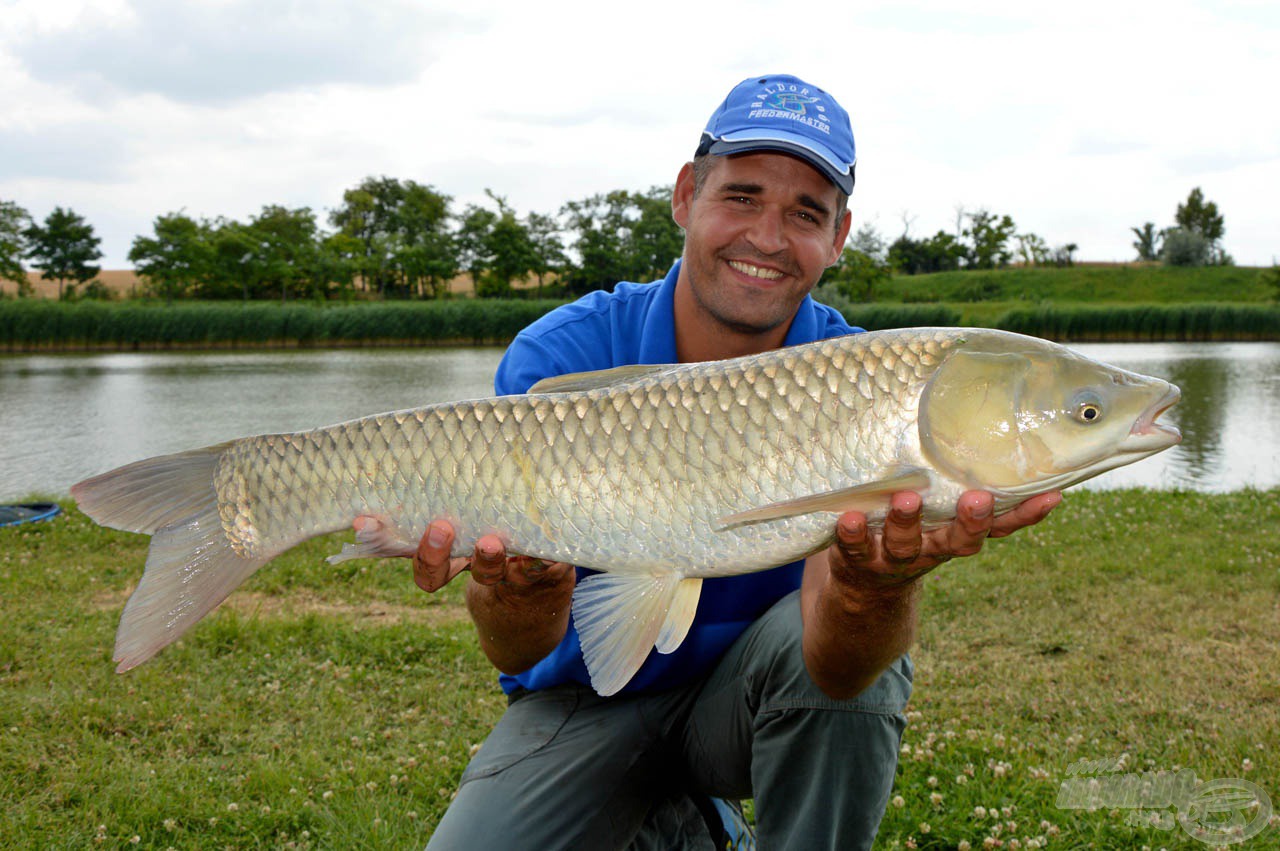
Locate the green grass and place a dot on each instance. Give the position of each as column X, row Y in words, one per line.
column 1120, row 284
column 327, row 707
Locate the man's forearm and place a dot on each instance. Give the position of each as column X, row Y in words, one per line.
column 519, row 626
column 853, row 630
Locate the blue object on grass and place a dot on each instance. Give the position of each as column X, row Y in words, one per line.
column 27, row 512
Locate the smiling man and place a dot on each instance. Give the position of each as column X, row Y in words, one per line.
column 791, row 685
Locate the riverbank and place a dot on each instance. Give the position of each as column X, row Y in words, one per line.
column 336, row 706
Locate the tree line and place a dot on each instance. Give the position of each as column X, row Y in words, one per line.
column 388, row 238
column 400, row 239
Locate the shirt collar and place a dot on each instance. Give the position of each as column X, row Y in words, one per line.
column 658, row 335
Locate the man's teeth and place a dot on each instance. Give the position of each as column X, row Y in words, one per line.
column 755, row 271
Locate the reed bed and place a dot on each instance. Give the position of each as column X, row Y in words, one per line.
column 31, row 325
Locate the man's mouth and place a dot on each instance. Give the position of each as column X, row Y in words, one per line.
column 754, row 271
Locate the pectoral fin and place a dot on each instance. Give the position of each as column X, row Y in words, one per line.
column 620, row 617
column 582, row 381
column 868, row 496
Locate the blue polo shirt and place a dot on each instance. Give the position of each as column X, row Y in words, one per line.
column 635, row 324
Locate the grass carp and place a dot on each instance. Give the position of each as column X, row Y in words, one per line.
column 660, row 476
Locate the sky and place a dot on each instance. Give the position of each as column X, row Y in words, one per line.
column 1079, row 120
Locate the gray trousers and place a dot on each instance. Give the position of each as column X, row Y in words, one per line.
column 568, row 769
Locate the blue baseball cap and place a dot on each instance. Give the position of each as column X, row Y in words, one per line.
column 780, row 112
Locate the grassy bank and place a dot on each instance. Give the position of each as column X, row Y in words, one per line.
column 328, row 707
column 1147, row 284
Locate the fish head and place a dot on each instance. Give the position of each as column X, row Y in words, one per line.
column 1019, row 416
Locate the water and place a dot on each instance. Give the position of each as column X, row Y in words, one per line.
column 65, row 417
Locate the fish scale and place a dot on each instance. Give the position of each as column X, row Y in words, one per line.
column 660, row 476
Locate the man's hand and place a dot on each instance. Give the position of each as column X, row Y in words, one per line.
column 520, row 605
column 489, row 565
column 903, row 552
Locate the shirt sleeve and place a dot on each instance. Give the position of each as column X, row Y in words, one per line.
column 526, row 362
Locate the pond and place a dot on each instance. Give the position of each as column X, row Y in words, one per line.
column 66, row 417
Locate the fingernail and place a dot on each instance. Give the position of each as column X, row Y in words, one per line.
column 982, row 512
column 437, row 535
column 488, row 550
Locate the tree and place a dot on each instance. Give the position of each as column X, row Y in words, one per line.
column 940, row 253
column 237, row 261
column 1271, row 277
column 1199, row 216
column 177, row 258
column 64, row 248
column 621, row 236
column 284, row 250
column 988, row 236
column 14, row 222
column 652, row 240
column 423, row 251
column 548, row 247
column 1148, row 242
column 1033, row 250
column 495, row 247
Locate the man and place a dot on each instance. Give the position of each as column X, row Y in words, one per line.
column 791, row 685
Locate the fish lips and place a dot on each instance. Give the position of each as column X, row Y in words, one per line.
column 1150, row 435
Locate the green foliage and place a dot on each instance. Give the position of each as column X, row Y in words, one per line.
column 495, row 247
column 14, row 221
column 177, row 258
column 64, row 248
column 875, row 317
column 1148, row 242
column 989, row 237
column 621, row 236
column 399, row 241
column 1184, row 247
column 1200, row 216
column 1149, row 322
column 941, row 252
column 1271, row 279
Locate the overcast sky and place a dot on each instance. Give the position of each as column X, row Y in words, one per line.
column 1078, row 119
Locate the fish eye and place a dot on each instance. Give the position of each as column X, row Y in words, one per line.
column 1088, row 412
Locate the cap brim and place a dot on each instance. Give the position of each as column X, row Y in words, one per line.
column 818, row 159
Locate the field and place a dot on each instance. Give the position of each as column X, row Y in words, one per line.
column 328, row 707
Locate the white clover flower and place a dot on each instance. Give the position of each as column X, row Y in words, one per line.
column 924, row 827
column 961, row 779
column 963, row 845
column 899, row 801
column 979, row 812
column 232, row 807
column 932, row 781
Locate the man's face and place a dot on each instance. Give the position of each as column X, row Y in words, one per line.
column 757, row 237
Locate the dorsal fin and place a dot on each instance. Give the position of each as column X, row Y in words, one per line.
column 579, row 381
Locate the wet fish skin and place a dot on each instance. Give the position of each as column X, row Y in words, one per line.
column 661, row 476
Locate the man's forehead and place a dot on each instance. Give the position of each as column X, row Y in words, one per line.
column 768, row 167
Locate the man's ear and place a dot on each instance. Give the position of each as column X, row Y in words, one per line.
column 682, row 196
column 842, row 233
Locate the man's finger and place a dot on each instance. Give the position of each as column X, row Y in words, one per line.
column 1027, row 513
column 967, row 533
column 902, row 527
column 489, row 564
column 431, row 565
column 852, row 537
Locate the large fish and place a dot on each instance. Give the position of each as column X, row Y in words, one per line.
column 661, row 476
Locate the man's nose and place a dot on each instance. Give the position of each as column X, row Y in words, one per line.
column 767, row 232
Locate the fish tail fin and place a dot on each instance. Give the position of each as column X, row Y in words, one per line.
column 192, row 565
column 620, row 617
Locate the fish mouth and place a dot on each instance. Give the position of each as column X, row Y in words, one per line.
column 1148, row 434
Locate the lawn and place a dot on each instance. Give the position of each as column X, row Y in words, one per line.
column 327, row 707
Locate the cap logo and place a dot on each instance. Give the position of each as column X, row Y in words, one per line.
column 790, row 102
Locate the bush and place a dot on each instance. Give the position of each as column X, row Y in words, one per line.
column 1185, row 248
